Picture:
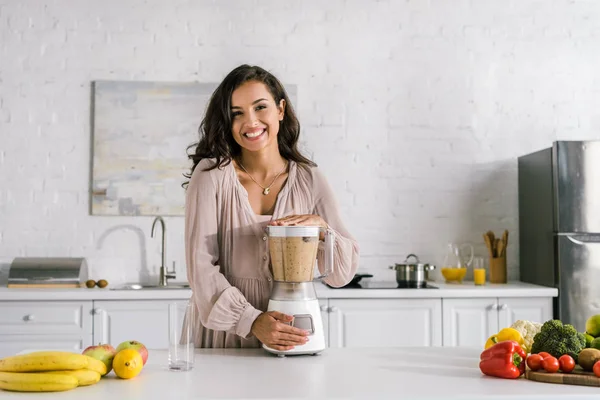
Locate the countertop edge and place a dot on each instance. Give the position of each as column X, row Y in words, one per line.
column 511, row 289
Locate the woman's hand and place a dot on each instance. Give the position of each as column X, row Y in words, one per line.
column 272, row 330
column 306, row 219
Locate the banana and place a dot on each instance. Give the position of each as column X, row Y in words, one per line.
column 36, row 382
column 85, row 377
column 45, row 361
column 96, row 365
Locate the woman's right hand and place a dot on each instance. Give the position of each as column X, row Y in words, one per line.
column 272, row 329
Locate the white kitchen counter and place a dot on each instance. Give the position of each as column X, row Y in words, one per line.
column 367, row 373
column 445, row 290
column 464, row 290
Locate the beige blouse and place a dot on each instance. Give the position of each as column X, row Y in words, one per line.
column 228, row 263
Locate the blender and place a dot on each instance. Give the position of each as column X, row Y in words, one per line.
column 293, row 251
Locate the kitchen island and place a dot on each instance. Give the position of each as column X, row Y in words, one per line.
column 360, row 373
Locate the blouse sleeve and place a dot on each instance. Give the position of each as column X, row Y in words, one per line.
column 220, row 305
column 346, row 249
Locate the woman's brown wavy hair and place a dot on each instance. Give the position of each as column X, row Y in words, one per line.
column 216, row 139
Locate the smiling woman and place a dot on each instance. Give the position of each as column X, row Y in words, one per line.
column 247, row 173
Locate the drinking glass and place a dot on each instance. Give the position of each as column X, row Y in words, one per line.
column 479, row 271
column 181, row 340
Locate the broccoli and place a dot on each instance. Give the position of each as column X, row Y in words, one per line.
column 558, row 339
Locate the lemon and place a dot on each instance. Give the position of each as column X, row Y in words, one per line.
column 592, row 325
column 128, row 364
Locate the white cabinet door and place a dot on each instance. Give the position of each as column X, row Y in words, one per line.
column 511, row 309
column 10, row 345
column 469, row 322
column 325, row 317
column 143, row 320
column 385, row 322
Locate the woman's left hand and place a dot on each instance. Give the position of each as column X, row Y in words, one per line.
column 296, row 220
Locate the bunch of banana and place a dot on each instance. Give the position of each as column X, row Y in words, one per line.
column 49, row 371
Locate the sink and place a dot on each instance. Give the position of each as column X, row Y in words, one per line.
column 136, row 286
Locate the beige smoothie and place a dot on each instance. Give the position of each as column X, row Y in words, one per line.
column 293, row 258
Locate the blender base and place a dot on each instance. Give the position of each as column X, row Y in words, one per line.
column 307, row 315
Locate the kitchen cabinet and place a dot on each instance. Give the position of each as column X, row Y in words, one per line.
column 324, row 304
column 470, row 321
column 385, row 322
column 37, row 325
column 143, row 320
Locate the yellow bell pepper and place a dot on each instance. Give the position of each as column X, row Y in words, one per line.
column 504, row 335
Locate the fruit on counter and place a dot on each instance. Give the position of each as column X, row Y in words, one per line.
column 534, row 362
column 85, row 377
column 588, row 340
column 44, row 361
column 592, row 325
column 102, row 352
column 597, row 369
column 557, row 339
column 543, row 354
column 566, row 363
column 595, row 343
column 37, row 382
column 90, row 283
column 587, row 358
column 504, row 335
column 102, row 283
column 503, row 360
column 96, row 365
column 135, row 345
column 527, row 329
column 128, row 364
column 550, row 364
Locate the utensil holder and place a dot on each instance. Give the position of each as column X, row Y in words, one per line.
column 498, row 269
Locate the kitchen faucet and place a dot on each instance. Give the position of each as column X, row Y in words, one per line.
column 165, row 274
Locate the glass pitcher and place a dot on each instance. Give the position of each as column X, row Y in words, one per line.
column 456, row 261
column 293, row 251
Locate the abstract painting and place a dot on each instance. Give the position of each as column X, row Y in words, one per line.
column 141, row 131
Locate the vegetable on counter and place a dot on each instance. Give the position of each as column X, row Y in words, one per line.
column 566, row 363
column 503, row 360
column 504, row 335
column 558, row 339
column 528, row 330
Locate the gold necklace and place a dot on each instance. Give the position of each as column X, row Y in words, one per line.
column 267, row 189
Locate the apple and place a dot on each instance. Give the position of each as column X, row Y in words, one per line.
column 102, row 352
column 135, row 345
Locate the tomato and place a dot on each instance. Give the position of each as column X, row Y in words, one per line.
column 534, row 362
column 544, row 354
column 550, row 364
column 566, row 363
column 597, row 369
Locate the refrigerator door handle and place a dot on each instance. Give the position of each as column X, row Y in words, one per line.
column 583, row 239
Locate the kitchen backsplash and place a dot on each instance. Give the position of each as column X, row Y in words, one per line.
column 415, row 111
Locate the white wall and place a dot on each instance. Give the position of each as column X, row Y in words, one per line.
column 415, row 110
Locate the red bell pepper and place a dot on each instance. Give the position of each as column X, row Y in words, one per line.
column 503, row 360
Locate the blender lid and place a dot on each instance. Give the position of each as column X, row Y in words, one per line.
column 293, row 231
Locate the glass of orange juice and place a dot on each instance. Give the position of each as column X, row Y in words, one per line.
column 479, row 271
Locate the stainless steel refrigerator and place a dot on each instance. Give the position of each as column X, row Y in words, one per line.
column 559, row 226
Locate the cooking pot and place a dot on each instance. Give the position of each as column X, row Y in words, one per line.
column 413, row 275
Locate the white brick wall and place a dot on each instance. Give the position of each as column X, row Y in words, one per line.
column 415, row 110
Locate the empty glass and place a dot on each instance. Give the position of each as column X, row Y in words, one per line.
column 181, row 341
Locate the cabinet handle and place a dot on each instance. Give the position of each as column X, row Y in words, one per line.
column 324, row 308
column 98, row 311
column 29, row 317
column 494, row 307
column 504, row 307
column 333, row 309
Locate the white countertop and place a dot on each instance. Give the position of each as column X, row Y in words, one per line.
column 444, row 290
column 464, row 290
column 367, row 373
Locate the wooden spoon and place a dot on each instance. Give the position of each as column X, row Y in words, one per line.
column 488, row 244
